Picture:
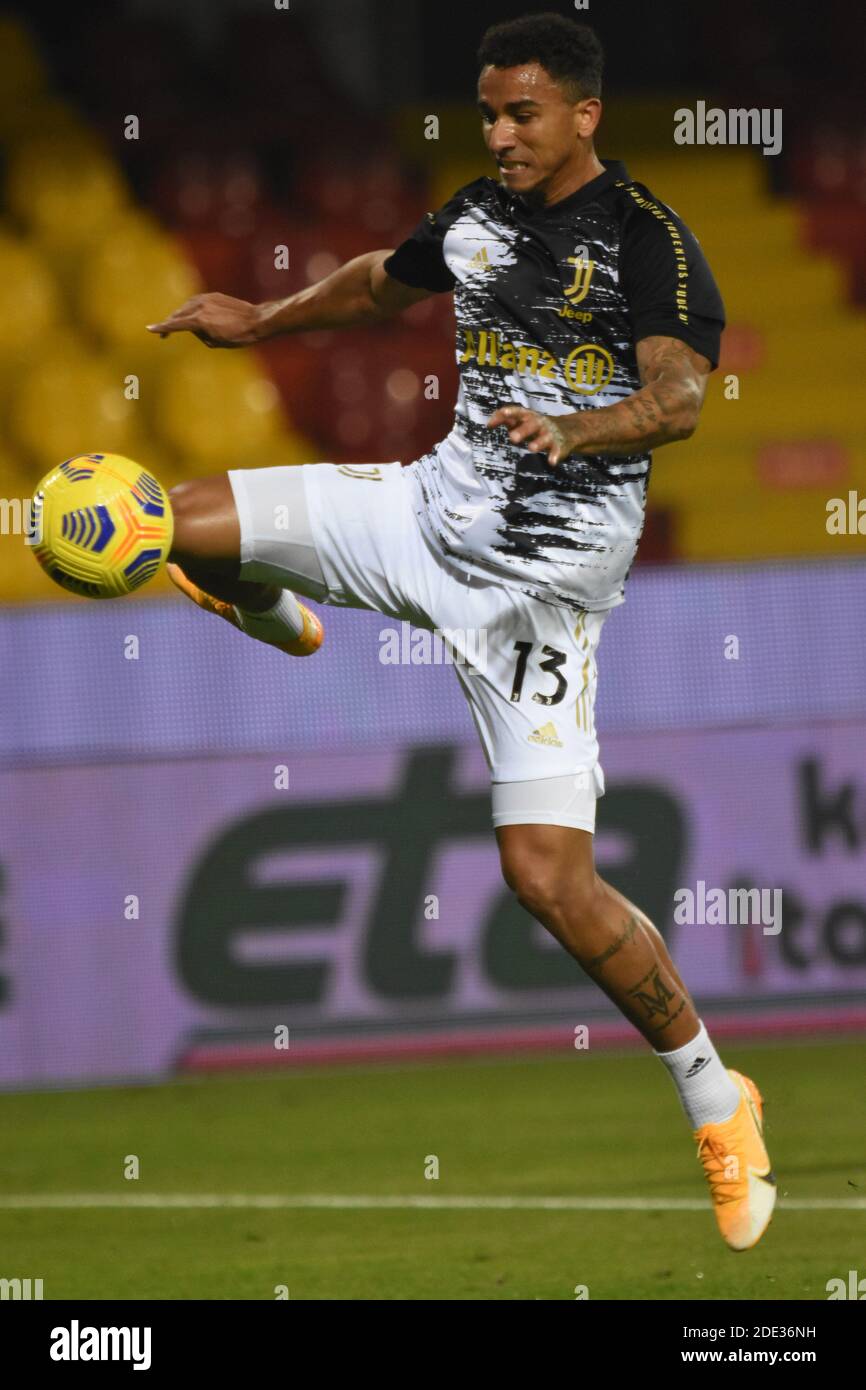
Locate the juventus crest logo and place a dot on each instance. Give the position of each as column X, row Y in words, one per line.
column 582, row 276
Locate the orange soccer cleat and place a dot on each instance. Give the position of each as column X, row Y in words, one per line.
column 306, row 643
column 738, row 1170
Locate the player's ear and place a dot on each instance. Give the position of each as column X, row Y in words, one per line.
column 587, row 116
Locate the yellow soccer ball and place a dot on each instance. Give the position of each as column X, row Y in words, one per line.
column 102, row 525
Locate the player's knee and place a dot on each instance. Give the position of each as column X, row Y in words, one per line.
column 203, row 512
column 185, row 501
column 549, row 889
column 541, row 892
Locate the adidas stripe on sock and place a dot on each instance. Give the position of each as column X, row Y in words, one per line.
column 708, row 1094
column 282, row 623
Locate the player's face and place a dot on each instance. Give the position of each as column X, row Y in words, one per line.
column 530, row 127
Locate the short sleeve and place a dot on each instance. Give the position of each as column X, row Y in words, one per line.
column 419, row 261
column 667, row 282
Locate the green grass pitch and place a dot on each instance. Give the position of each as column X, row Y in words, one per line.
column 582, row 1125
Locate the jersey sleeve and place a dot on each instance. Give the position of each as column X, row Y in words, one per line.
column 667, row 282
column 419, row 261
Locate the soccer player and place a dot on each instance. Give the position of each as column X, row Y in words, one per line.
column 588, row 322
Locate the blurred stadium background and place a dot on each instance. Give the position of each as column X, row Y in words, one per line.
column 166, row 908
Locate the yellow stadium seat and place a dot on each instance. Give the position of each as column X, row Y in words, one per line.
column 292, row 449
column 20, row 576
column 781, row 525
column 135, row 276
column 694, row 182
column 698, row 471
column 44, row 115
column 833, row 349
column 29, row 302
column 766, row 290
column 63, row 191
column 765, row 229
column 773, row 407
column 19, row 482
column 71, row 402
column 216, row 410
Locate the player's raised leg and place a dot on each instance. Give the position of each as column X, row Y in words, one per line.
column 551, row 870
column 205, row 564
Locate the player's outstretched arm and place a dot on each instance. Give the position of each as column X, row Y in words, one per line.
column 665, row 409
column 360, row 291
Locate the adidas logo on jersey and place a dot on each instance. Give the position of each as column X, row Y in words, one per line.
column 547, row 736
column 479, row 260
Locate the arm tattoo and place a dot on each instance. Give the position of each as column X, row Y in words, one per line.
column 665, row 408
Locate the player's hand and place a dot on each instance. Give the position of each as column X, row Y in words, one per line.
column 216, row 319
column 541, row 434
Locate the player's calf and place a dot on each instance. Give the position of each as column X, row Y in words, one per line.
column 551, row 869
column 205, row 565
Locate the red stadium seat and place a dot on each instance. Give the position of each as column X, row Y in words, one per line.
column 822, row 164
column 314, row 251
column 217, row 257
column 839, row 226
column 217, row 190
column 376, row 193
column 362, row 396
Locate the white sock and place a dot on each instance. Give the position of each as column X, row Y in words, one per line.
column 709, row 1095
column 281, row 623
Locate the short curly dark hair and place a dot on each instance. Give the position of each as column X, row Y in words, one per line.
column 570, row 52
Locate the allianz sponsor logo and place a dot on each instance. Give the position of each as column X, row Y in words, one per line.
column 23, row 1289
column 588, row 368
column 736, row 126
column 717, row 907
column 77, row 1343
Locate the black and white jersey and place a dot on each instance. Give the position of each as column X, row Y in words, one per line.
column 550, row 303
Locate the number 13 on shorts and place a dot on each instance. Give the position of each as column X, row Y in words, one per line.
column 533, row 703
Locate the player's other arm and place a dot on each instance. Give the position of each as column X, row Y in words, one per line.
column 665, row 409
column 359, row 292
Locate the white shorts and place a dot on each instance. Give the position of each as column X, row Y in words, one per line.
column 347, row 534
